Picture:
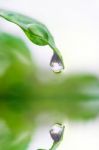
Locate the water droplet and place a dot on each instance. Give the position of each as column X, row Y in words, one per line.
column 41, row 149
column 56, row 132
column 56, row 64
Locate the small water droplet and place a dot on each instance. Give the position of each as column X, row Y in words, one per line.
column 56, row 64
column 56, row 132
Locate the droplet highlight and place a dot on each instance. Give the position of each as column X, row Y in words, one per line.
column 56, row 64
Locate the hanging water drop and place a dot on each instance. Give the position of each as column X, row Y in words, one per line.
column 56, row 64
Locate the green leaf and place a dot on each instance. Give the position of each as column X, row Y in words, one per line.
column 16, row 67
column 35, row 31
column 5, row 136
column 21, row 142
column 75, row 97
column 10, row 142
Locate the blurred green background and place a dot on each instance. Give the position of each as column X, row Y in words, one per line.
column 23, row 96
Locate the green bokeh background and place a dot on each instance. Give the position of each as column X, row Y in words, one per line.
column 23, row 96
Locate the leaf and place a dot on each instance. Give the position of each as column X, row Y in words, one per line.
column 15, row 61
column 5, row 136
column 75, row 97
column 16, row 67
column 10, row 142
column 21, row 142
column 35, row 31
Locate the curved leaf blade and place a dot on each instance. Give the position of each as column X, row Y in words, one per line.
column 35, row 31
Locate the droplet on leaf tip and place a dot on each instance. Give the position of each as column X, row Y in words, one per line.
column 56, row 64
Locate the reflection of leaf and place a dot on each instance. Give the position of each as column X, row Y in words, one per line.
column 15, row 68
column 13, row 81
column 9, row 142
column 21, row 142
column 57, row 143
column 5, row 136
column 71, row 97
column 35, row 31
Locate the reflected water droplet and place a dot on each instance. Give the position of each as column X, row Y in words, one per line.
column 56, row 132
column 56, row 64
